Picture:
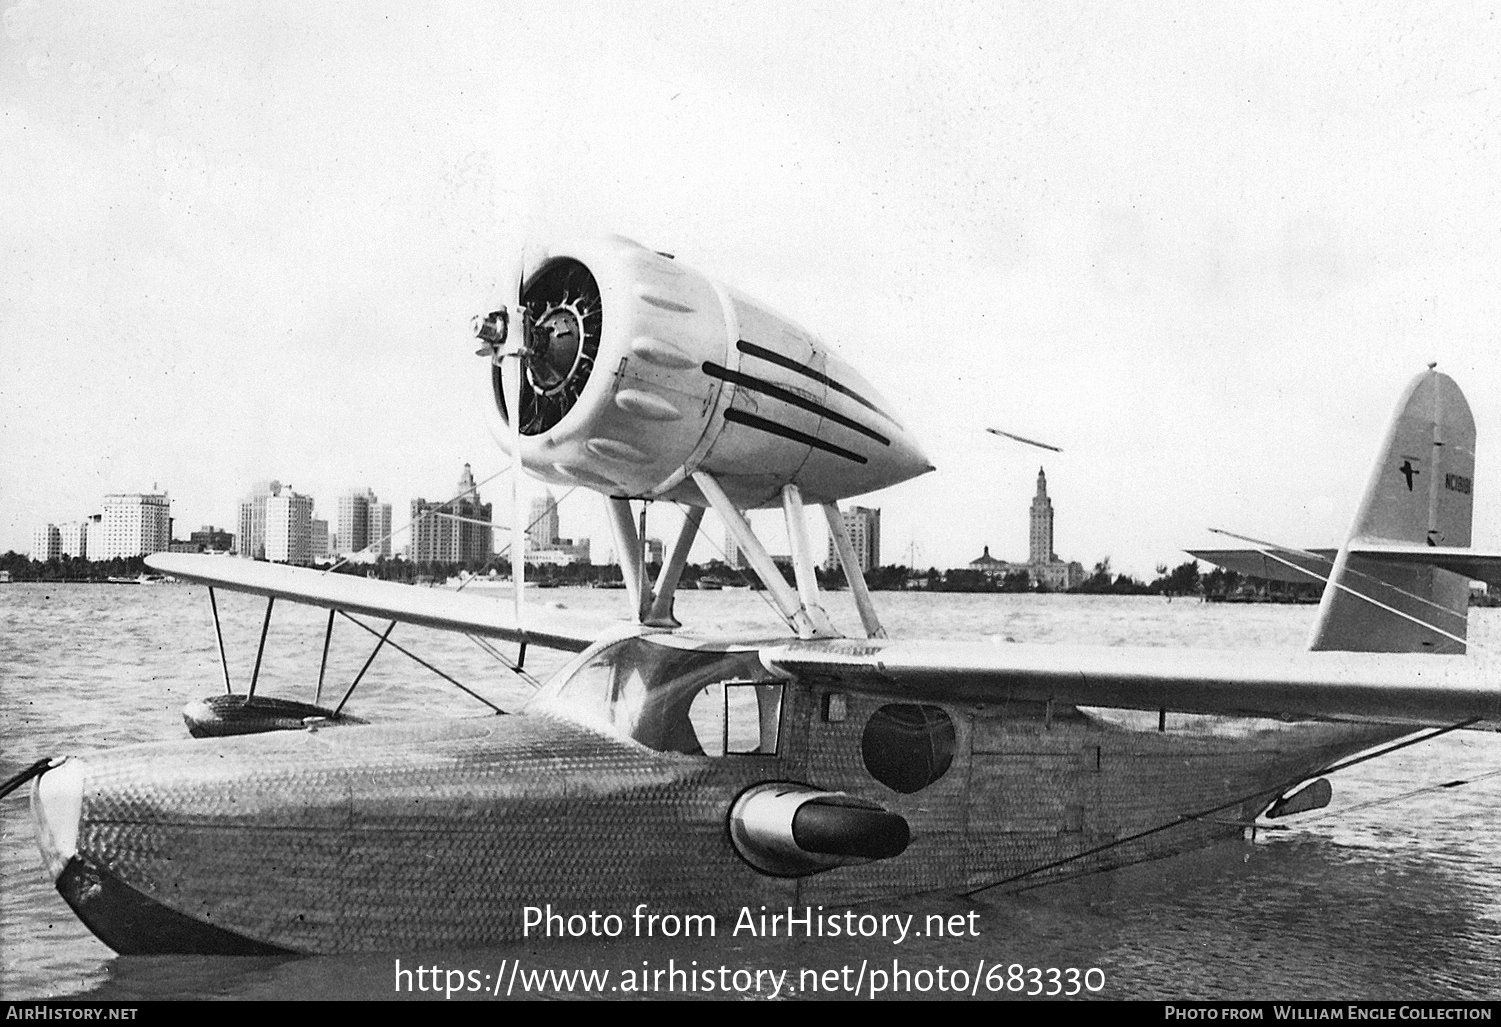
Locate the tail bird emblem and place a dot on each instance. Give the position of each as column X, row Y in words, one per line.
column 1409, row 472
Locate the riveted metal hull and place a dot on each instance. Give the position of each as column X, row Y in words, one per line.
column 435, row 835
column 440, row 834
column 1035, row 796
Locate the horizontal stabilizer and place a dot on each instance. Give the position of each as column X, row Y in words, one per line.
column 1415, row 689
column 1296, row 566
column 1472, row 563
column 429, row 607
column 1301, row 566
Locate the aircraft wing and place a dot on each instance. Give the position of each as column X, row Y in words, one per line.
column 429, row 607
column 1389, row 688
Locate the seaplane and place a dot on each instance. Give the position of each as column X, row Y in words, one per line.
column 802, row 767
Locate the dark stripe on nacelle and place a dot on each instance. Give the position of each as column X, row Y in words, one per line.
column 765, row 387
column 750, row 349
column 773, row 428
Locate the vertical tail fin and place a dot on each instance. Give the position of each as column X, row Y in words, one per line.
column 1419, row 493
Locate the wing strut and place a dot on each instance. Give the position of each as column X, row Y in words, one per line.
column 328, row 636
column 627, row 547
column 852, row 572
column 807, row 621
column 641, row 592
column 803, row 569
column 260, row 649
column 219, row 634
column 672, row 569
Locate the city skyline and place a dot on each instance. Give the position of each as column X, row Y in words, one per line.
column 545, row 545
column 297, row 529
column 1202, row 254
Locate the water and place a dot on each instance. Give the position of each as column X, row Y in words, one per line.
column 1371, row 899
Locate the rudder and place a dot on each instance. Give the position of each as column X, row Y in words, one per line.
column 1420, row 492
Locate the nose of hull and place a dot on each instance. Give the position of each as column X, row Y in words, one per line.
column 422, row 836
column 56, row 805
column 122, row 917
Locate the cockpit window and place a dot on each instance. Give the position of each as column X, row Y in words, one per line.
column 737, row 717
column 699, row 702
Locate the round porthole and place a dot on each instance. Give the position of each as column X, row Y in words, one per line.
column 908, row 746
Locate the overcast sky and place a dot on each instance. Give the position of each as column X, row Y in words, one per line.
column 1202, row 248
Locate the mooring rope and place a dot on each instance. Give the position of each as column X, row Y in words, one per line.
column 37, row 769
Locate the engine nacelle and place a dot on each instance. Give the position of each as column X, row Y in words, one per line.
column 789, row 830
column 642, row 371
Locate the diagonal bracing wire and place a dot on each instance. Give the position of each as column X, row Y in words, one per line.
column 408, row 653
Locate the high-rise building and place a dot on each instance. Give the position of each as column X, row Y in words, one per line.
column 320, row 540
column 363, row 521
column 1040, row 538
column 250, row 541
column 75, row 539
column 458, row 531
column 352, row 523
column 544, row 541
column 94, row 536
column 46, row 543
column 136, row 524
column 542, row 523
column 289, row 527
column 380, row 528
column 732, row 554
column 863, row 526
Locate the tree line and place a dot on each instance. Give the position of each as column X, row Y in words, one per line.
column 71, row 568
column 1182, row 580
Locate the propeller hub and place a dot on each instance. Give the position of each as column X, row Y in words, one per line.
column 554, row 329
column 556, row 343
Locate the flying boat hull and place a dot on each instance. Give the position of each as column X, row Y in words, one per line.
column 441, row 834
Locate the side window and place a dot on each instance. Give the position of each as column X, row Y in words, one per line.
column 908, row 746
column 737, row 718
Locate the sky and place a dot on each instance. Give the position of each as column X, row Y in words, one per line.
column 1202, row 248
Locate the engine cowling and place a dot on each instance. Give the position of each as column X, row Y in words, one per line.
column 642, row 371
column 790, row 830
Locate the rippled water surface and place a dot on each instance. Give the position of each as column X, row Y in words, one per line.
column 1393, row 892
